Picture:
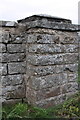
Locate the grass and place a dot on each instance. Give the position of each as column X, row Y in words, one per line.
column 69, row 109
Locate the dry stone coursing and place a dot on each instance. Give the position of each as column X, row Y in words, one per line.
column 39, row 60
column 13, row 65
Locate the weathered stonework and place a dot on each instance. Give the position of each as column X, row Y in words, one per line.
column 39, row 60
column 13, row 63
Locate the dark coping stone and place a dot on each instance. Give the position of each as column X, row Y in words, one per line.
column 49, row 22
column 39, row 17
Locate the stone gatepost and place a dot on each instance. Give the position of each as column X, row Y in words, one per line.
column 52, row 60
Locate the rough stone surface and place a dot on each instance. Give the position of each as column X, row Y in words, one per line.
column 4, row 37
column 16, row 48
column 42, row 38
column 48, row 22
column 12, row 63
column 6, row 57
column 67, row 68
column 12, row 80
column 14, row 92
column 3, row 69
column 47, row 81
column 11, row 101
column 18, row 68
column 2, row 48
column 38, row 60
column 41, row 70
column 53, row 48
column 70, row 58
column 45, row 59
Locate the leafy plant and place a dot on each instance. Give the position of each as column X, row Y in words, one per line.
column 70, row 108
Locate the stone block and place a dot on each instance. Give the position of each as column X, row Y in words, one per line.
column 38, row 83
column 47, row 93
column 42, row 31
column 70, row 58
column 59, row 68
column 42, row 38
column 0, row 57
column 30, row 95
column 3, row 69
column 73, row 77
column 18, row 68
column 53, row 48
column 68, row 37
column 45, row 59
column 0, row 88
column 64, row 89
column 43, row 94
column 40, row 70
column 70, row 48
column 18, row 39
column 11, row 80
column 7, row 89
column 45, row 48
column 70, row 68
column 21, row 39
column 14, row 92
column 16, row 48
column 11, row 101
column 4, row 37
column 70, row 87
column 49, row 102
column 6, row 57
column 2, row 48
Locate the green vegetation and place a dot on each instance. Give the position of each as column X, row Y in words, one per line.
column 69, row 109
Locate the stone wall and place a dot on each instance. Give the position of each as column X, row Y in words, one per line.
column 13, row 59
column 39, row 57
column 52, row 63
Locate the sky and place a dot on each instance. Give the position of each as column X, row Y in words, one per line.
column 13, row 10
